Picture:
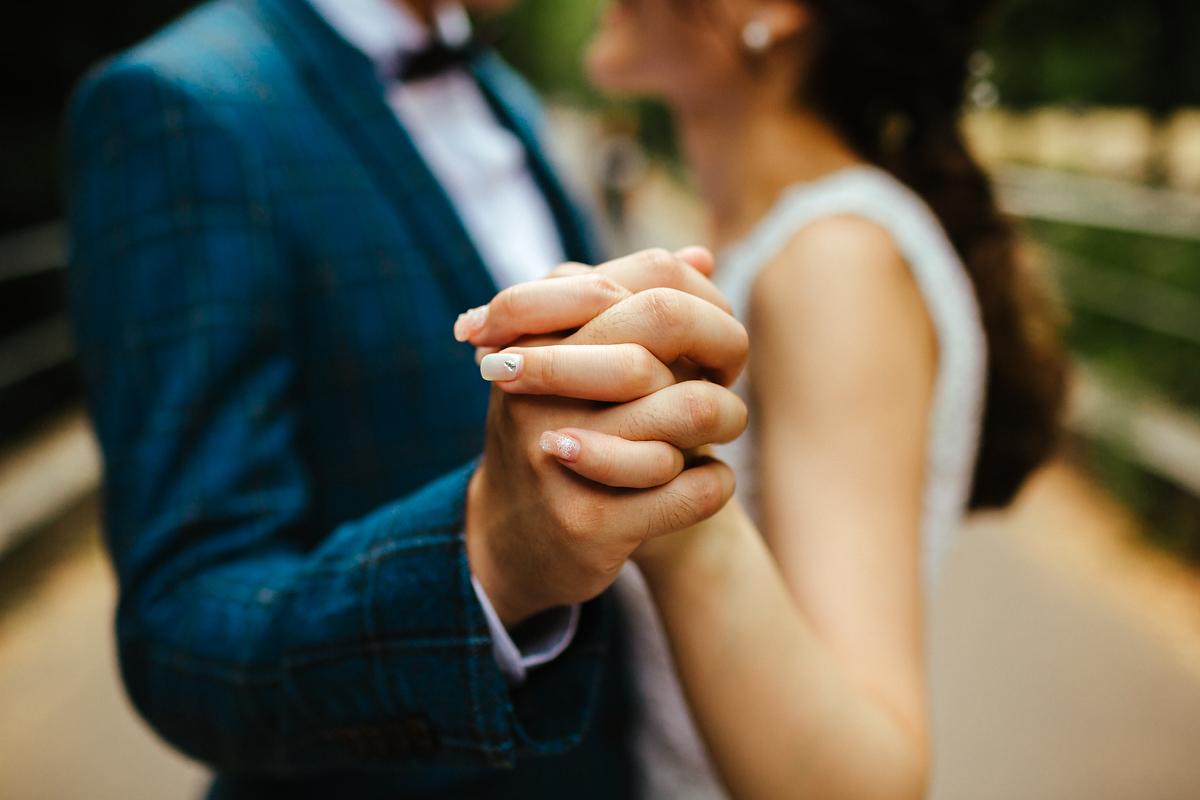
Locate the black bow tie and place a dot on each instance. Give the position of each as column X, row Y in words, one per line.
column 439, row 58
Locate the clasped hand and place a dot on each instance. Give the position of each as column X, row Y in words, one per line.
column 609, row 381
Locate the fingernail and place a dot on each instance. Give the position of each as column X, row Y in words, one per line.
column 470, row 323
column 501, row 367
column 560, row 446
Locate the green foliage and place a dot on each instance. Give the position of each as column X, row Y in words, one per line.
column 1138, row 361
column 1129, row 354
column 1086, row 52
column 1097, row 52
column 1170, row 516
column 545, row 40
column 1070, row 51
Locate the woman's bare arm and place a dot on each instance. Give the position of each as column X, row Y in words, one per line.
column 802, row 654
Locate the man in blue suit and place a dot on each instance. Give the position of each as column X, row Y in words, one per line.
column 277, row 209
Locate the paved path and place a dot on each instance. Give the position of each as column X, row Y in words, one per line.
column 1065, row 659
column 66, row 729
column 1061, row 669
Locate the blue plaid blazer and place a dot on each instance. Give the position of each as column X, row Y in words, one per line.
column 264, row 276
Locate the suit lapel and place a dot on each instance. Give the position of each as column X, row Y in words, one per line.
column 343, row 81
column 577, row 238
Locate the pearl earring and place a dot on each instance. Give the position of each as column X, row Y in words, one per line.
column 757, row 36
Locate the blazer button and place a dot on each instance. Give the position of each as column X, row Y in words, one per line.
column 421, row 738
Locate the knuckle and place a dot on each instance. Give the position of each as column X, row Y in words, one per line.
column 669, row 461
column 662, row 268
column 706, row 496
column 702, row 409
column 662, row 306
column 656, row 258
column 604, row 288
column 523, row 299
column 508, row 302
column 637, row 365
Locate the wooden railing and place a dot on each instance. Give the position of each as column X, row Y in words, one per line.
column 35, row 338
column 48, row 460
column 1159, row 436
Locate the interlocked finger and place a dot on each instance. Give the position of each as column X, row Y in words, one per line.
column 537, row 307
column 672, row 325
column 607, row 373
column 613, row 461
column 577, row 294
column 685, row 415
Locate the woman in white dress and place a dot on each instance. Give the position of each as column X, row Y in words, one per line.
column 897, row 379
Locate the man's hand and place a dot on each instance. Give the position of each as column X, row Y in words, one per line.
column 539, row 536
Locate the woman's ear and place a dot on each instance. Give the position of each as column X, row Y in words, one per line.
column 785, row 19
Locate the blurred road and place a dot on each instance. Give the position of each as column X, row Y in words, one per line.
column 1064, row 666
column 1065, row 658
column 66, row 730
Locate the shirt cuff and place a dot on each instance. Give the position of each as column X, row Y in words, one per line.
column 535, row 642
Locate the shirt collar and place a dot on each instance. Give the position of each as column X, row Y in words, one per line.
column 385, row 31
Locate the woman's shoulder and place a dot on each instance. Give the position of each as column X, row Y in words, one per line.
column 858, row 230
column 844, row 238
column 858, row 207
column 843, row 265
column 838, row 320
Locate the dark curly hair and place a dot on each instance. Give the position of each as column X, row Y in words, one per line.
column 890, row 76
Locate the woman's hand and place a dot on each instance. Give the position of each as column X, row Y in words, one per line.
column 697, row 550
column 645, row 328
column 618, row 404
column 574, row 294
column 621, row 357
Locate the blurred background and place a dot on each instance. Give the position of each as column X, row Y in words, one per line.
column 1065, row 644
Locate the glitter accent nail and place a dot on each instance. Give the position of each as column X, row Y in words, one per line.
column 560, row 446
column 470, row 323
column 501, row 366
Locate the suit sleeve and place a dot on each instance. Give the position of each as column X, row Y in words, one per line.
column 248, row 638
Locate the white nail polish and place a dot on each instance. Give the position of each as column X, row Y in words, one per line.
column 501, row 367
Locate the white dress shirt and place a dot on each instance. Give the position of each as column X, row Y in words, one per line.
column 485, row 171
